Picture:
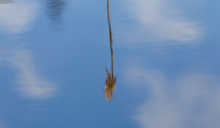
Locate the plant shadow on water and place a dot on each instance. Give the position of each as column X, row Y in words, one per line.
column 111, row 79
column 54, row 11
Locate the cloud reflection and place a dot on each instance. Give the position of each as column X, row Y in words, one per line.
column 31, row 84
column 16, row 17
column 158, row 21
column 186, row 101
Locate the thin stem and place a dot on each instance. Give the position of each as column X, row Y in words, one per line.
column 110, row 36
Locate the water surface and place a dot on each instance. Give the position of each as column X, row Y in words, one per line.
column 54, row 55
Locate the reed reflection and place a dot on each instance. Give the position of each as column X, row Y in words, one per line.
column 55, row 9
column 111, row 79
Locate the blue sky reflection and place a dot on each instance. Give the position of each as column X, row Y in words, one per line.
column 157, row 22
column 32, row 85
column 188, row 100
column 165, row 49
column 17, row 17
column 181, row 90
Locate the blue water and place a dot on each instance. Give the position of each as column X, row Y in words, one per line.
column 54, row 55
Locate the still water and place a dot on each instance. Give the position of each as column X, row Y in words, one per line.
column 59, row 61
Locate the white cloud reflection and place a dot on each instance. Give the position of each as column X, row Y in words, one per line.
column 31, row 84
column 159, row 22
column 186, row 101
column 16, row 17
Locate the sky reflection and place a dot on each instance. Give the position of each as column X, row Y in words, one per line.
column 158, row 23
column 185, row 101
column 179, row 90
column 56, row 79
column 30, row 83
column 16, row 17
